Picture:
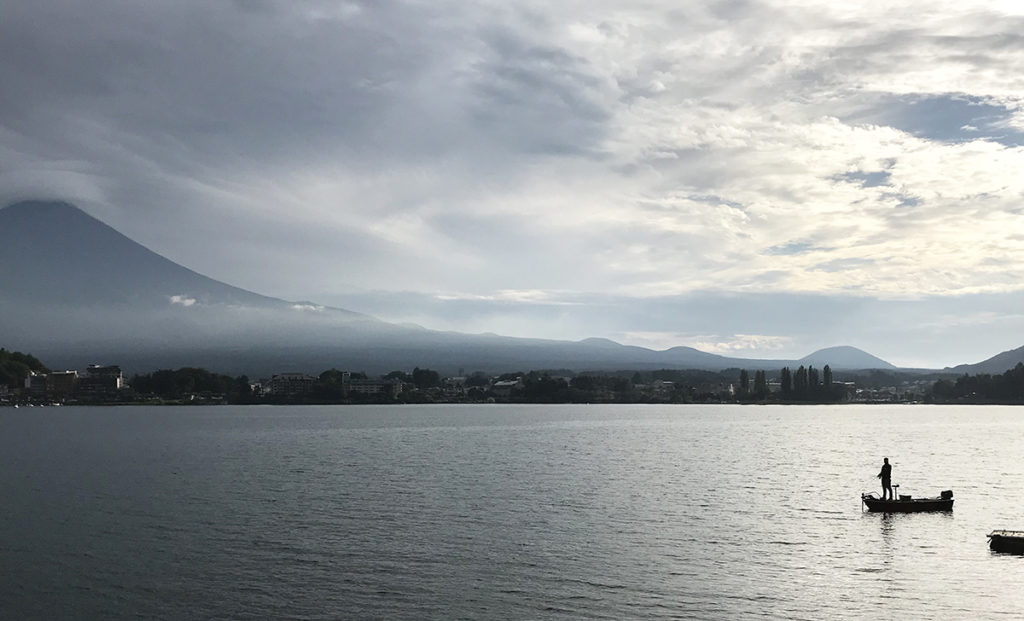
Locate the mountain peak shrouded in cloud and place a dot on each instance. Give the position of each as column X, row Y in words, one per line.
column 54, row 252
column 81, row 291
column 748, row 178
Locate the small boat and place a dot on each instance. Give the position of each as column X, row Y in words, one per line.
column 1011, row 541
column 909, row 504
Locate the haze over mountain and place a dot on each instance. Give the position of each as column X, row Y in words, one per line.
column 76, row 291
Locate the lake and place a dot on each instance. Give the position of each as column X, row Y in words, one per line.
column 505, row 512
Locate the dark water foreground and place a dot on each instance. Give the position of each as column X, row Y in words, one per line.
column 505, row 512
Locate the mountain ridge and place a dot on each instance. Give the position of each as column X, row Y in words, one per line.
column 999, row 363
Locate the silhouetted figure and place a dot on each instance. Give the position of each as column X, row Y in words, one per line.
column 886, row 476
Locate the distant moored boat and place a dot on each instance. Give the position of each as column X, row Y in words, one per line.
column 1007, row 541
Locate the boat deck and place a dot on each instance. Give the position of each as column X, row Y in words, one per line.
column 1007, row 533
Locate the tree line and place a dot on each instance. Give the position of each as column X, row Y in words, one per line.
column 555, row 386
column 175, row 385
column 1007, row 387
column 805, row 384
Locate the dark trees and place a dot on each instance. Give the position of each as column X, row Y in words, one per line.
column 425, row 378
column 477, row 379
column 1007, row 387
column 760, row 384
column 15, row 366
column 813, row 381
column 399, row 375
column 800, row 382
column 186, row 381
column 542, row 388
column 807, row 384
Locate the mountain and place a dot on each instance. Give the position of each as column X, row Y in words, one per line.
column 845, row 357
column 999, row 363
column 75, row 291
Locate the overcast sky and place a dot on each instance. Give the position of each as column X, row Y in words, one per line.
column 758, row 179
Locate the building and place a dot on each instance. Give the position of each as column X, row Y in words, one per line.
column 387, row 387
column 35, row 386
column 290, row 384
column 260, row 387
column 61, row 385
column 504, row 388
column 100, row 382
column 454, row 387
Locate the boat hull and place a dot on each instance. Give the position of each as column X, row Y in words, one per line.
column 916, row 505
column 1009, row 541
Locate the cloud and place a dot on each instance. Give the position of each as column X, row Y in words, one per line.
column 182, row 300
column 312, row 150
column 732, row 345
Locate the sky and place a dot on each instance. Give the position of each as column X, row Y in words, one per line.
column 752, row 178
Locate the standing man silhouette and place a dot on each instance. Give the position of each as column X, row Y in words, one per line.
column 886, row 476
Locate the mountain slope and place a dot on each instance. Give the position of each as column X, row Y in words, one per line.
column 54, row 252
column 999, row 363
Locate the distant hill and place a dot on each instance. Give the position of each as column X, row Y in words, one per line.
column 845, row 357
column 15, row 366
column 999, row 363
column 75, row 291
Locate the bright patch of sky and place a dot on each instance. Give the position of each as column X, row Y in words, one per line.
column 553, row 169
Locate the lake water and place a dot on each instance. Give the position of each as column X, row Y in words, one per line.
column 505, row 512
